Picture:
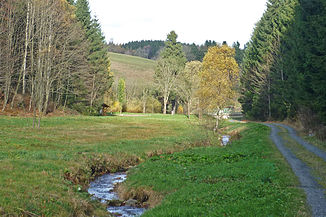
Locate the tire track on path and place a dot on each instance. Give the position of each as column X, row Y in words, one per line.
column 308, row 146
column 315, row 193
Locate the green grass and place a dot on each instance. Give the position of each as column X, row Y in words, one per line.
column 135, row 70
column 247, row 178
column 317, row 165
column 34, row 161
column 315, row 141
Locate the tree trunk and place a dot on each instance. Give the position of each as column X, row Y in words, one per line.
column 269, row 100
column 165, row 101
column 216, row 123
column 174, row 108
column 144, row 107
column 188, row 108
column 27, row 36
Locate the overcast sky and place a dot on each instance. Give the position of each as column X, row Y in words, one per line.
column 193, row 20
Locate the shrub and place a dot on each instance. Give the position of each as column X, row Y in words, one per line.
column 134, row 106
column 180, row 109
column 311, row 123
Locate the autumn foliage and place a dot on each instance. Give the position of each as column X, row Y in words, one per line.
column 218, row 79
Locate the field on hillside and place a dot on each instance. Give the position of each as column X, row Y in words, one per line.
column 135, row 70
column 40, row 167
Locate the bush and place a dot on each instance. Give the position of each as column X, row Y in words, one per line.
column 134, row 106
column 115, row 107
column 311, row 123
column 153, row 106
column 180, row 109
column 86, row 110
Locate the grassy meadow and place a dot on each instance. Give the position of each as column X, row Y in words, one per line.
column 135, row 70
column 42, row 169
column 181, row 168
column 247, row 178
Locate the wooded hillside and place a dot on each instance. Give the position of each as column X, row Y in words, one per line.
column 284, row 68
column 51, row 53
column 151, row 49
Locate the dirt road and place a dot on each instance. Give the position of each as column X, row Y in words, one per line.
column 315, row 193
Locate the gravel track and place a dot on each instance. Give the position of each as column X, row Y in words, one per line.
column 314, row 192
column 308, row 146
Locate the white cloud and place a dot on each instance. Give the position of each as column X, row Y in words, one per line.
column 193, row 21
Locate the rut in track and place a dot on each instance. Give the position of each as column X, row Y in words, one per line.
column 315, row 192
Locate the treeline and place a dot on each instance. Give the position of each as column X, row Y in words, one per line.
column 52, row 54
column 284, row 68
column 151, row 49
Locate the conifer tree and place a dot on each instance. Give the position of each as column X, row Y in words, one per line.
column 262, row 65
column 99, row 80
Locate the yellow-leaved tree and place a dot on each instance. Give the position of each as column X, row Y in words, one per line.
column 218, row 80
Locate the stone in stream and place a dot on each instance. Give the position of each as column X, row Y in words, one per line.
column 131, row 202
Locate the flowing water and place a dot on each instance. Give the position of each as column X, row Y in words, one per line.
column 225, row 139
column 102, row 189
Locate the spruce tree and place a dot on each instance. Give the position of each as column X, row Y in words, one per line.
column 98, row 58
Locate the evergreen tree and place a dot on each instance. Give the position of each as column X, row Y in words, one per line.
column 98, row 58
column 72, row 2
column 262, row 72
column 239, row 53
column 122, row 93
column 284, row 68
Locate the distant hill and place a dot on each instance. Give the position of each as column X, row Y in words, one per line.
column 136, row 70
column 151, row 49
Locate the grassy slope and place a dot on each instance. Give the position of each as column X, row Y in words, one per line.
column 33, row 161
column 247, row 178
column 135, row 70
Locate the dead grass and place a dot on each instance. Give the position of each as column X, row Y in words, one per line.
column 147, row 197
column 99, row 164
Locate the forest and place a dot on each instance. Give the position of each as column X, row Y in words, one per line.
column 283, row 72
column 151, row 49
column 52, row 54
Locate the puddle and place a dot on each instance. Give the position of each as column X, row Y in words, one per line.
column 225, row 139
column 102, row 189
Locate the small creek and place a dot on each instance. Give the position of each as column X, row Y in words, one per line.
column 102, row 188
column 225, row 139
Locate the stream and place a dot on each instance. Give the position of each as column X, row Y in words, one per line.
column 225, row 139
column 102, row 188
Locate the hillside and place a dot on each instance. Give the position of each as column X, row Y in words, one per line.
column 136, row 70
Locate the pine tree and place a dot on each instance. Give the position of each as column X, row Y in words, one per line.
column 262, row 70
column 99, row 81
